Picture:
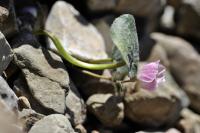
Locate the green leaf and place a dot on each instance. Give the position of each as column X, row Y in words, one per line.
column 124, row 36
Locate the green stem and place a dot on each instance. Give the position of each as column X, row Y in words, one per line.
column 75, row 61
column 96, row 75
column 108, row 60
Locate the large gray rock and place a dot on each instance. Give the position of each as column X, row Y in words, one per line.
column 75, row 106
column 143, row 8
column 184, row 65
column 172, row 130
column 8, row 25
column 41, row 69
column 79, row 38
column 109, row 109
column 190, row 122
column 55, row 123
column 6, row 54
column 155, row 109
column 8, row 95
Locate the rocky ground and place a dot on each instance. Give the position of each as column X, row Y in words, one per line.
column 42, row 93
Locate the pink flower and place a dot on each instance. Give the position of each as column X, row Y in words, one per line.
column 151, row 75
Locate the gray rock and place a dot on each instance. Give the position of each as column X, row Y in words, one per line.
column 8, row 95
column 101, row 5
column 184, row 65
column 45, row 74
column 144, row 8
column 109, row 109
column 6, row 54
column 9, row 25
column 52, row 124
column 79, row 38
column 155, row 109
column 190, row 122
column 28, row 118
column 76, row 108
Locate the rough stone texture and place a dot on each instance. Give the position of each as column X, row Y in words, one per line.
column 8, row 95
column 108, row 108
column 184, row 65
column 46, row 77
column 55, row 123
column 155, row 109
column 6, row 54
column 9, row 26
column 79, row 38
column 101, row 5
column 143, row 8
column 76, row 108
column 190, row 122
column 28, row 118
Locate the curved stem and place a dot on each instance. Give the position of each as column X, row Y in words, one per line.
column 75, row 61
column 96, row 75
column 108, row 60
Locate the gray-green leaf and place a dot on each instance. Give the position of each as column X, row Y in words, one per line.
column 124, row 36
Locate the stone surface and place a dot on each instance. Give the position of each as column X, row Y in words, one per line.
column 8, row 95
column 109, row 109
column 52, row 124
column 144, row 8
column 101, row 5
column 9, row 25
column 155, row 109
column 28, row 118
column 45, row 74
column 184, row 65
column 75, row 106
column 6, row 54
column 79, row 38
column 190, row 122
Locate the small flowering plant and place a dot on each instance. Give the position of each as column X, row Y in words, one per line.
column 125, row 57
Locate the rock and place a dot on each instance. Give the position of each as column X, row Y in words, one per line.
column 144, row 8
column 155, row 109
column 180, row 54
column 101, row 5
column 159, row 53
column 8, row 119
column 80, row 38
column 104, row 28
column 28, row 118
column 95, row 86
column 167, row 18
column 6, row 54
column 80, row 129
column 187, row 26
column 190, row 122
column 41, row 69
column 8, row 95
column 4, row 12
column 9, row 26
column 101, row 105
column 172, row 130
column 75, row 106
column 51, row 124
column 23, row 103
